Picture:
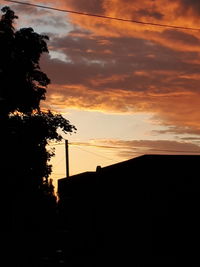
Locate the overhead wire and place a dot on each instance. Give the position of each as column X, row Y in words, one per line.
column 105, row 17
column 98, row 155
column 78, row 144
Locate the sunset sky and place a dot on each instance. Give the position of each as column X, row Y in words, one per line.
column 129, row 88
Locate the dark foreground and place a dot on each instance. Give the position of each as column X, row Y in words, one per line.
column 143, row 212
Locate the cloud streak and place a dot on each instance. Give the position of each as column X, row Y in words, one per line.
column 132, row 148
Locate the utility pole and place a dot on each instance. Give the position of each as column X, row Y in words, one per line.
column 67, row 158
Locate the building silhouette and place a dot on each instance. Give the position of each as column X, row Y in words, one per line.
column 142, row 211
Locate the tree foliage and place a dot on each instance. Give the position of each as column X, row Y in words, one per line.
column 25, row 129
column 23, row 84
column 33, row 132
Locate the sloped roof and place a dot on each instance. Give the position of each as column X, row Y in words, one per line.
column 142, row 166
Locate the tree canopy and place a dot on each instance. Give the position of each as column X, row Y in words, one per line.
column 25, row 128
column 23, row 84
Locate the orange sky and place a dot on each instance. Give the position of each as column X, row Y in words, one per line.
column 117, row 69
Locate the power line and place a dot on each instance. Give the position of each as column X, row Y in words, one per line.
column 98, row 155
column 91, row 145
column 106, row 17
column 125, row 147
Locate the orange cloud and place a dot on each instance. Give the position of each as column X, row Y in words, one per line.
column 117, row 66
column 180, row 13
column 178, row 111
column 137, row 76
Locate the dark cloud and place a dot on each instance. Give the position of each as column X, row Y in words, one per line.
column 187, row 6
column 181, row 37
column 138, row 65
column 88, row 6
column 150, row 14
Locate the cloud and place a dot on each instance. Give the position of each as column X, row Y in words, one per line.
column 37, row 18
column 29, row 10
column 189, row 7
column 165, row 12
column 88, row 6
column 151, row 14
column 130, row 148
column 115, row 74
column 127, row 57
column 113, row 66
column 179, row 110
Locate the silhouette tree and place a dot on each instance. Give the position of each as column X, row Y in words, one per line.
column 22, row 82
column 25, row 128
